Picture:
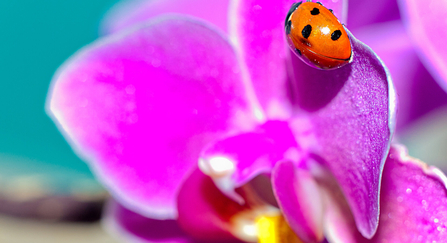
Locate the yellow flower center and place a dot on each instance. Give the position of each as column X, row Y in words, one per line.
column 274, row 229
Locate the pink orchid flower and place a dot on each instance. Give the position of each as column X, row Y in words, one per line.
column 213, row 133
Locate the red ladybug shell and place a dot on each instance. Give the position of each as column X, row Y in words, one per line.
column 317, row 37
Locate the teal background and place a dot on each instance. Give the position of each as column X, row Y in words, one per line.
column 35, row 38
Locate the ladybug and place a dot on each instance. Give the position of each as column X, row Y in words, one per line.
column 316, row 36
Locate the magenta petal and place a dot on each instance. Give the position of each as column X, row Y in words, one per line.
column 352, row 112
column 427, row 27
column 413, row 203
column 204, row 212
column 258, row 33
column 141, row 106
column 234, row 161
column 131, row 12
column 134, row 227
column 298, row 197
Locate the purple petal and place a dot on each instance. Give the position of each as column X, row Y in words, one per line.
column 131, row 12
column 298, row 197
column 133, row 227
column 258, row 33
column 339, row 224
column 426, row 24
column 414, row 201
column 204, row 212
column 366, row 12
column 413, row 204
column 141, row 106
column 352, row 112
column 236, row 160
column 418, row 92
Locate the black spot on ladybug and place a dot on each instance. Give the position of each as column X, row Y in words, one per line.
column 288, row 26
column 330, row 10
column 335, row 35
column 291, row 10
column 307, row 30
column 315, row 11
column 298, row 51
column 320, row 3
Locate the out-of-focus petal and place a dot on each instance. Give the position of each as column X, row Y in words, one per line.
column 299, row 199
column 234, row 161
column 352, row 111
column 132, row 227
column 258, row 33
column 366, row 12
column 413, row 204
column 418, row 92
column 204, row 212
column 140, row 106
column 426, row 138
column 426, row 24
column 130, row 12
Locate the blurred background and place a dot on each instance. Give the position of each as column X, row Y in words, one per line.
column 40, row 176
